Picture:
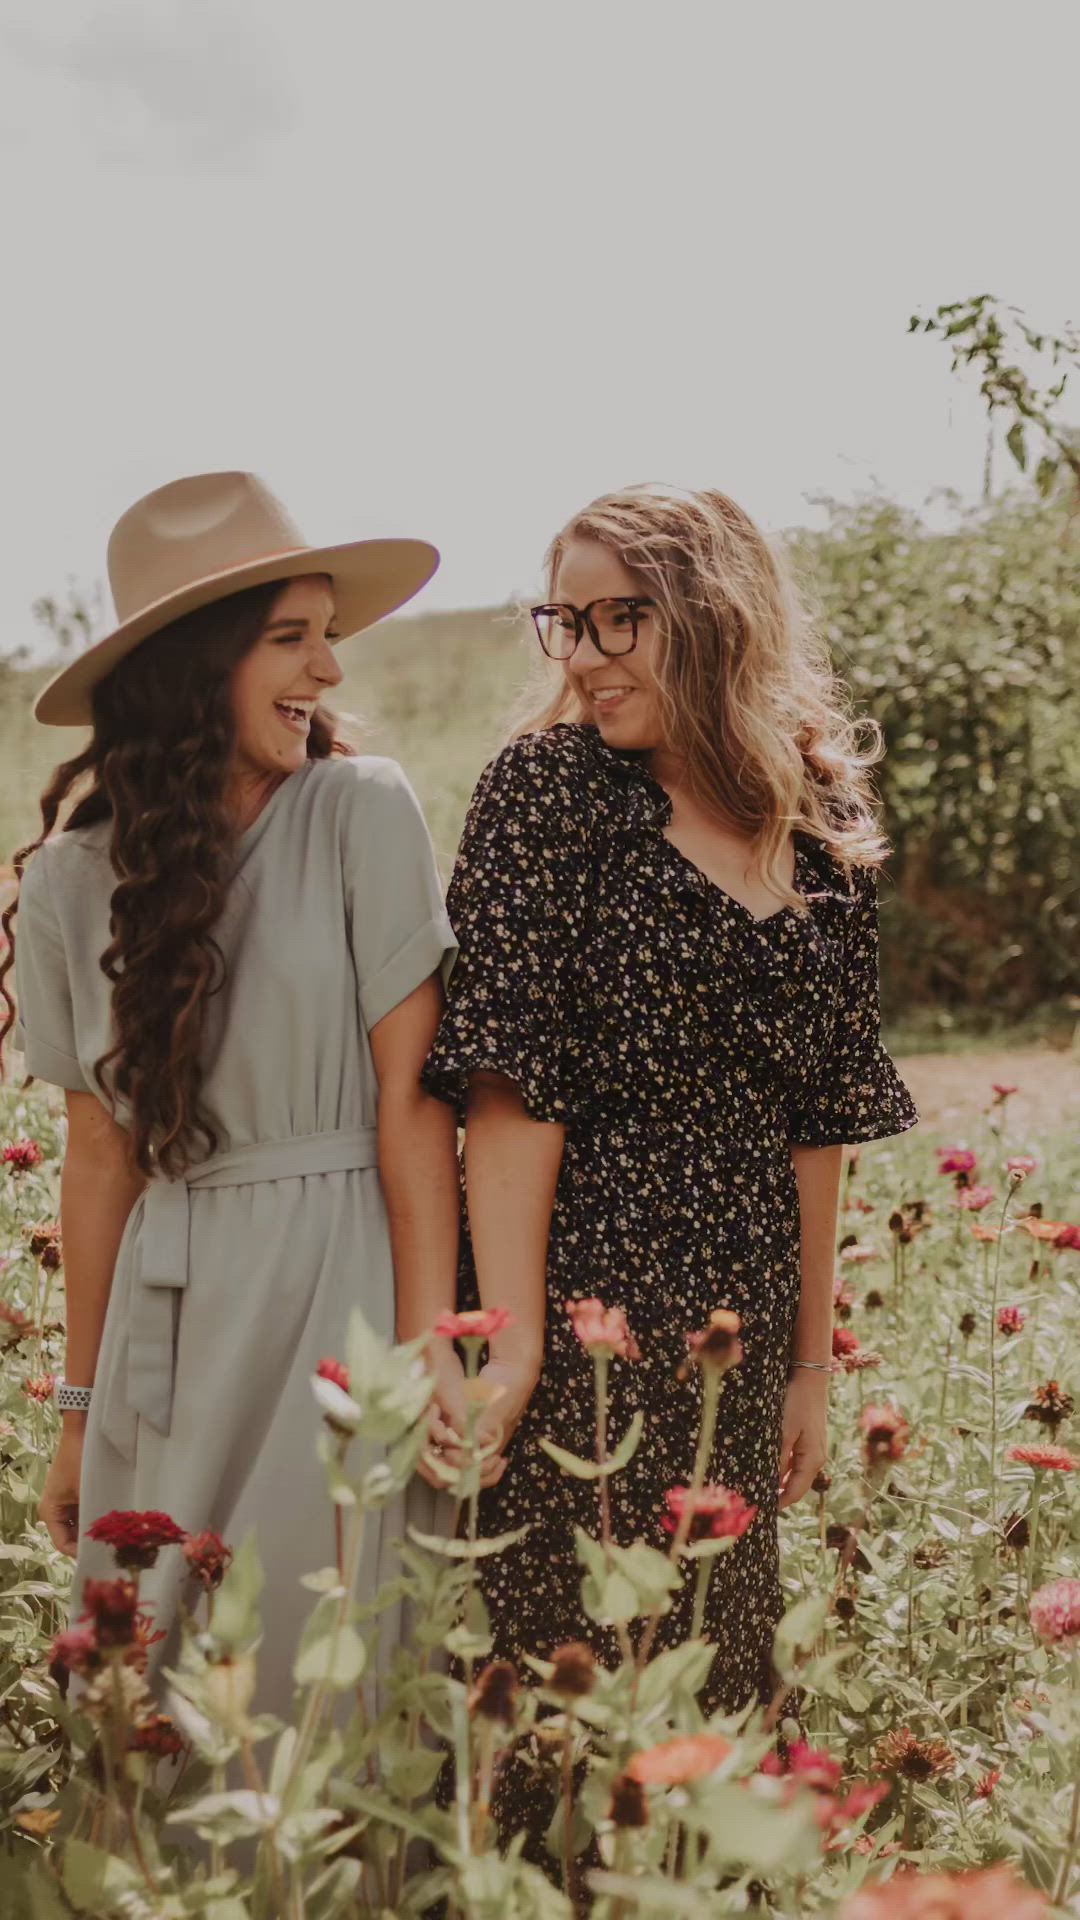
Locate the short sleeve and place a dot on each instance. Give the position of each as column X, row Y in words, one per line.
column 517, row 902
column 399, row 927
column 45, row 1026
column 856, row 1093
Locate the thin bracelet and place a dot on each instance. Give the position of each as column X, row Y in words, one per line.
column 815, row 1366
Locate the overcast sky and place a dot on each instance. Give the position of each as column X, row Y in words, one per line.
column 452, row 268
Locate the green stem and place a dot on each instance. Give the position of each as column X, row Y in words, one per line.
column 714, row 1386
column 1065, row 1875
column 601, row 1366
column 701, row 1591
column 1033, row 1528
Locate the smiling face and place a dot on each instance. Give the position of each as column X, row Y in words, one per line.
column 619, row 693
column 280, row 681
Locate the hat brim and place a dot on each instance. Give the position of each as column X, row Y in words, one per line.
column 371, row 578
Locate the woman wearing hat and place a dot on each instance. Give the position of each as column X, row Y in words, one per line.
column 230, row 958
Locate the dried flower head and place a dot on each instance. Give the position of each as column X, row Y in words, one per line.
column 931, row 1553
column 968, row 1324
column 1055, row 1611
column 208, row 1557
column 718, row 1345
column 843, row 1298
column 574, row 1670
column 136, row 1539
column 874, row 1300
column 901, row 1754
column 629, row 1806
column 75, row 1651
column 603, row 1330
column 46, row 1245
column 1050, row 1407
column 1016, row 1533
column 495, row 1694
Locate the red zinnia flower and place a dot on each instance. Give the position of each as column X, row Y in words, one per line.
column 479, row 1323
column 1001, row 1092
column 603, row 1329
column 136, row 1538
column 718, row 1513
column 844, row 1341
column 208, row 1557
column 1058, row 1232
column 1011, row 1319
column 113, row 1606
column 1055, row 1611
column 39, row 1386
column 334, row 1370
column 956, row 1160
column 885, row 1434
column 158, row 1735
column 984, row 1787
column 22, row 1156
column 1045, row 1459
column 973, row 1199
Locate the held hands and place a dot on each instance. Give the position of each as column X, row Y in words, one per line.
column 495, row 1400
column 804, row 1447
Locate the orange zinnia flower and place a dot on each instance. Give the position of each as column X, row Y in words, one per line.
column 692, row 1756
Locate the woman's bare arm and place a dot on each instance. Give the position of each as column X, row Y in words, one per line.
column 98, row 1188
column 805, row 1437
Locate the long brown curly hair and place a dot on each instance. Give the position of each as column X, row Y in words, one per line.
column 157, row 765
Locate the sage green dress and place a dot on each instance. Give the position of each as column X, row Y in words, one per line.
column 230, row 1287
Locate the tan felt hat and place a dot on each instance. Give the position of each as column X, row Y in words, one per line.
column 213, row 534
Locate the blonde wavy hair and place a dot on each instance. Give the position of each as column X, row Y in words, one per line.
column 750, row 703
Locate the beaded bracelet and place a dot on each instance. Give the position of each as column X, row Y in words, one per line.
column 71, row 1399
column 815, row 1366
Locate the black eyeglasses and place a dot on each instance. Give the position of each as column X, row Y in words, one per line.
column 612, row 625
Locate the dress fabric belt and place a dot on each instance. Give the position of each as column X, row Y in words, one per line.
column 160, row 1254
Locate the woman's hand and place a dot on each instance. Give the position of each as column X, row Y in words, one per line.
column 804, row 1447
column 508, row 1383
column 60, row 1498
column 448, row 1420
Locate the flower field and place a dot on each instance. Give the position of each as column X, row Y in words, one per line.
column 921, row 1753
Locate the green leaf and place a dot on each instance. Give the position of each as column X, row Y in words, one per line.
column 331, row 1653
column 678, row 1670
column 467, row 1549
column 94, row 1879
column 627, row 1446
column 622, row 1583
column 570, row 1463
column 1017, row 444
column 1045, row 475
column 236, row 1603
column 746, row 1830
column 798, row 1630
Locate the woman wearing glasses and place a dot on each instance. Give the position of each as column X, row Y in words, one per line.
column 662, row 1028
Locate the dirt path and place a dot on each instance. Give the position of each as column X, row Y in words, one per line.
column 951, row 1089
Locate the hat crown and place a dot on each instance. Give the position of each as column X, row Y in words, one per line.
column 192, row 530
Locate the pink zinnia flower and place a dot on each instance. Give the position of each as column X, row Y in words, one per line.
column 39, row 1386
column 603, row 1329
column 479, row 1323
column 993, row 1893
column 973, row 1199
column 844, row 1341
column 1045, row 1459
column 718, row 1513
column 22, row 1156
column 136, row 1538
column 1020, row 1163
column 75, row 1651
column 1011, row 1319
column 956, row 1160
column 986, row 1786
column 334, row 1370
column 1001, row 1092
column 1055, row 1611
column 861, row 1361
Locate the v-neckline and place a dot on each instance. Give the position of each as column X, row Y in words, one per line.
column 707, row 882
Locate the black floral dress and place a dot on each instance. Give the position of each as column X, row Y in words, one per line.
column 684, row 1045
